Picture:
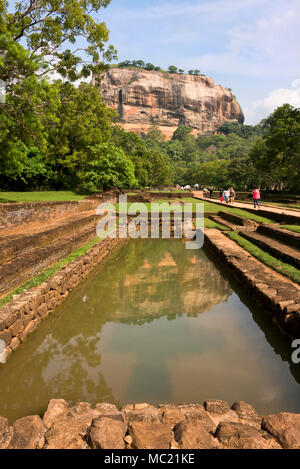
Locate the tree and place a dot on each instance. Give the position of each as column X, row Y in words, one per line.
column 181, row 70
column 172, row 69
column 213, row 173
column 241, row 174
column 126, row 63
column 149, row 66
column 135, row 148
column 107, row 167
column 197, row 72
column 45, row 27
column 242, row 130
column 28, row 110
column 278, row 152
column 181, row 133
column 160, row 172
column 83, row 120
column 191, row 72
column 140, row 63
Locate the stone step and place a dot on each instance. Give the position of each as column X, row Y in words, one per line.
column 238, row 220
column 224, row 222
column 13, row 246
column 36, row 260
column 284, row 236
column 275, row 248
column 279, row 216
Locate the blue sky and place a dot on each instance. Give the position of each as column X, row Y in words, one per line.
column 251, row 46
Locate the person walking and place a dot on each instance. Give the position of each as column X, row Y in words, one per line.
column 231, row 195
column 226, row 194
column 256, row 198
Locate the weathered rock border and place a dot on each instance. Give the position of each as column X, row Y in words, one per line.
column 214, row 425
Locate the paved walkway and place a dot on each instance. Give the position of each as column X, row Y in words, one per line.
column 267, row 208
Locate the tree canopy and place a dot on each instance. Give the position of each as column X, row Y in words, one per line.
column 54, row 134
column 277, row 154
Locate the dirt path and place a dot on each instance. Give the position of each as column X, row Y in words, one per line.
column 267, row 208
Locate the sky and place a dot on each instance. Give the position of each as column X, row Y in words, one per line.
column 251, row 46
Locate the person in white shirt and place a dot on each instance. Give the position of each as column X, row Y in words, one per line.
column 226, row 195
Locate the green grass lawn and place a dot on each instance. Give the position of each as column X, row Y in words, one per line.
column 208, row 223
column 209, row 207
column 174, row 191
column 295, row 228
column 280, row 204
column 283, row 268
column 43, row 196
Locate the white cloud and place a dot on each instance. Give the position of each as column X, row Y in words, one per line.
column 273, row 34
column 262, row 108
column 213, row 10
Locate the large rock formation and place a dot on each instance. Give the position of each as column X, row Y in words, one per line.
column 145, row 98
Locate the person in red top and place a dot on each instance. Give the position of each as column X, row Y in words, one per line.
column 256, row 198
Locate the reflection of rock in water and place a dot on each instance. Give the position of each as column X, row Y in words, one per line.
column 171, row 285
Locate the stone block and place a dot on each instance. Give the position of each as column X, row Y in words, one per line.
column 242, row 436
column 285, row 427
column 194, row 435
column 147, row 435
column 107, row 433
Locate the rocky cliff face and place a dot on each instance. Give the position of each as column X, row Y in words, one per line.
column 146, row 98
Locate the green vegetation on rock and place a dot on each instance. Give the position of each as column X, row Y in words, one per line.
column 267, row 259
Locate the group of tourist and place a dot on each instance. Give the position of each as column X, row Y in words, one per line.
column 227, row 196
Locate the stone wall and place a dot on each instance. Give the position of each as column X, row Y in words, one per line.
column 290, row 238
column 214, row 425
column 31, row 214
column 22, row 315
column 170, row 195
column 278, row 217
column 25, row 266
column 237, row 220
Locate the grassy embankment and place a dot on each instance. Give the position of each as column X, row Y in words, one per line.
column 46, row 274
column 43, row 196
column 281, row 204
column 289, row 271
column 295, row 228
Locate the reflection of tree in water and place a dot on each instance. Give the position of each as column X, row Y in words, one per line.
column 47, row 367
column 144, row 280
